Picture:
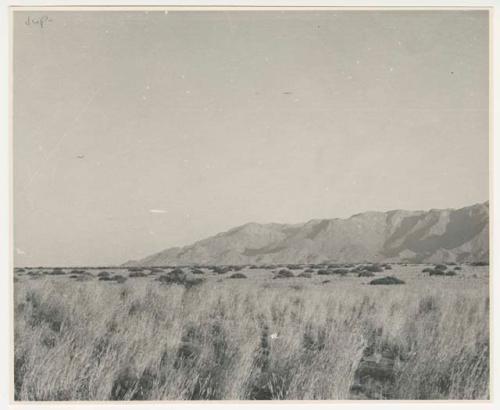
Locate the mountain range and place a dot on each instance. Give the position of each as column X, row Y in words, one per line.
column 437, row 235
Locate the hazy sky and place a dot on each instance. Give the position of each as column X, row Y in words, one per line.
column 137, row 131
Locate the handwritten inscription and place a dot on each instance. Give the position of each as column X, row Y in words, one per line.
column 38, row 21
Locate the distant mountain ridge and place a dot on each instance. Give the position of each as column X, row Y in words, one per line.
column 437, row 235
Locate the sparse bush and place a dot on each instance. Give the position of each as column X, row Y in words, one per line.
column 221, row 270
column 137, row 274
column 440, row 266
column 197, row 272
column 305, row 274
column 103, row 274
column 178, row 277
column 365, row 274
column 387, row 280
column 284, row 274
column 57, row 271
column 373, row 268
column 238, row 276
column 436, row 272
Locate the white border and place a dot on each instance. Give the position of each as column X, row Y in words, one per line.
column 5, row 210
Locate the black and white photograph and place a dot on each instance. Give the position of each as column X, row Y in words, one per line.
column 250, row 204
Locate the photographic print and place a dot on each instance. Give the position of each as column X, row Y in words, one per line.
column 250, row 204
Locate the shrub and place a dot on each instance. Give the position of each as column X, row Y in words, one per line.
column 373, row 268
column 326, row 281
column 324, row 272
column 57, row 271
column 238, row 276
column 387, row 280
column 340, row 271
column 137, row 274
column 458, row 268
column 119, row 278
column 440, row 267
column 221, row 270
column 436, row 272
column 365, row 274
column 197, row 272
column 103, row 274
column 479, row 263
column 176, row 278
column 305, row 274
column 286, row 273
column 450, row 273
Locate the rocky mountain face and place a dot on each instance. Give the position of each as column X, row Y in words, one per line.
column 438, row 235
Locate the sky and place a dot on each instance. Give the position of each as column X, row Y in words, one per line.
column 137, row 131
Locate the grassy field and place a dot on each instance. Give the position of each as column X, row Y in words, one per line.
column 202, row 335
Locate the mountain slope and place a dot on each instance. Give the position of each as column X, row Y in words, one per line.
column 438, row 235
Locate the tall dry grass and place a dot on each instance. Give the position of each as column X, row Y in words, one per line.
column 145, row 341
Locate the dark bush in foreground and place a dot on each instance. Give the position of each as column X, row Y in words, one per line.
column 103, row 274
column 324, row 272
column 440, row 266
column 388, row 280
column 450, row 273
column 458, row 268
column 238, row 276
